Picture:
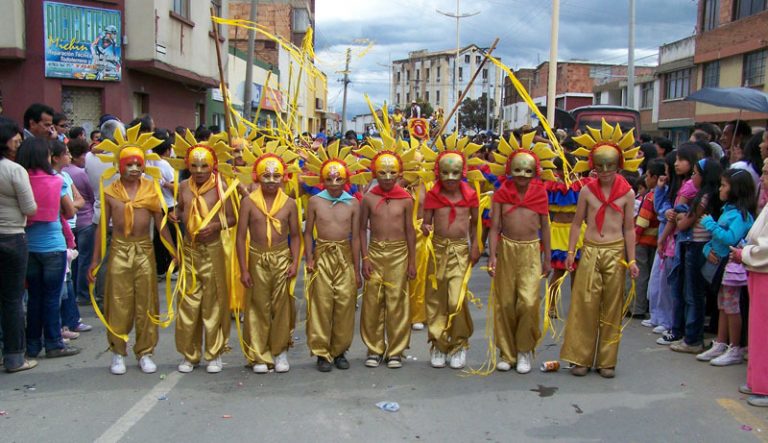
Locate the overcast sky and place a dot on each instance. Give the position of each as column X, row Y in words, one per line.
column 594, row 30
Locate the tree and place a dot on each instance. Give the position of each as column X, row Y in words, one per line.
column 426, row 108
column 473, row 113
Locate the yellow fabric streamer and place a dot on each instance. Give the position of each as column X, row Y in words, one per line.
column 199, row 208
column 258, row 198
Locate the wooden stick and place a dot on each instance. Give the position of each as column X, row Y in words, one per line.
column 223, row 83
column 463, row 94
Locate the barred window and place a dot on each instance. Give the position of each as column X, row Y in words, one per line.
column 711, row 74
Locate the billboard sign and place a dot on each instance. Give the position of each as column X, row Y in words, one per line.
column 81, row 42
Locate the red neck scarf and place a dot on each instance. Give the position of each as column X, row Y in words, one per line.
column 434, row 199
column 619, row 188
column 535, row 197
column 395, row 193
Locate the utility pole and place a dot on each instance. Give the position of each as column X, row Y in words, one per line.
column 248, row 93
column 631, row 61
column 487, row 104
column 344, row 102
column 456, row 86
column 552, row 78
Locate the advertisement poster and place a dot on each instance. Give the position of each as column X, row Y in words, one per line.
column 81, row 42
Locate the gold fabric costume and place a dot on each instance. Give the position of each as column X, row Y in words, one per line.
column 452, row 259
column 131, row 294
column 385, row 300
column 331, row 300
column 205, row 307
column 516, row 299
column 593, row 330
column 269, row 307
column 417, row 286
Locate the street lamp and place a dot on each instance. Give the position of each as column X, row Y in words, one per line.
column 458, row 16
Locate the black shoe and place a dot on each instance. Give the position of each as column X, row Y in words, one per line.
column 66, row 351
column 341, row 362
column 323, row 365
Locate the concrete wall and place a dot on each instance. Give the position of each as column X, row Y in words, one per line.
column 12, row 43
column 677, row 50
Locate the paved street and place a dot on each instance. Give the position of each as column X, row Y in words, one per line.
column 657, row 395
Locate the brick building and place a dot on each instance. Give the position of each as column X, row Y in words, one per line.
column 731, row 51
column 87, row 58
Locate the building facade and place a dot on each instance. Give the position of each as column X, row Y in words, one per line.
column 428, row 77
column 87, row 58
column 731, row 51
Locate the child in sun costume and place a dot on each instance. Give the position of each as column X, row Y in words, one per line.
column 520, row 216
column 131, row 277
column 451, row 211
column 593, row 329
column 205, row 209
column 269, row 272
column 389, row 257
column 333, row 259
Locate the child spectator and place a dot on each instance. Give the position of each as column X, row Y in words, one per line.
column 646, row 232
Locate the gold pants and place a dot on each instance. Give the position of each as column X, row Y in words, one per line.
column 593, row 330
column 331, row 300
column 131, row 294
column 516, row 299
column 452, row 257
column 417, row 286
column 385, row 300
column 205, row 307
column 269, row 307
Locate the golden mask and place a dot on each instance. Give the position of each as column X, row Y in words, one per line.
column 387, row 167
column 334, row 169
column 522, row 164
column 606, row 158
column 451, row 166
column 269, row 171
column 199, row 157
column 134, row 156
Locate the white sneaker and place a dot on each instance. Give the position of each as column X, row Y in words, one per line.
column 503, row 366
column 147, row 365
column 118, row 364
column 438, row 359
column 260, row 368
column 715, row 351
column 732, row 356
column 659, row 329
column 186, row 366
column 417, row 326
column 214, row 366
column 459, row 359
column 647, row 323
column 281, row 363
column 524, row 362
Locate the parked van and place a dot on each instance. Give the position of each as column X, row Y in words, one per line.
column 592, row 116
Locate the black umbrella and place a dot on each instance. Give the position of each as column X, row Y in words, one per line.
column 746, row 99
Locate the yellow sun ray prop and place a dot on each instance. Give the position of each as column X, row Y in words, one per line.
column 378, row 152
column 509, row 150
column 333, row 156
column 607, row 138
column 260, row 151
column 217, row 148
column 132, row 139
column 453, row 145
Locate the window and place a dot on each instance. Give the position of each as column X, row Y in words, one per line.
column 426, row 96
column 408, row 97
column 398, row 76
column 216, row 4
column 398, row 98
column 711, row 15
column 711, row 78
column 745, row 8
column 678, row 84
column 408, row 75
column 181, row 7
column 418, row 74
column 646, row 95
column 754, row 68
column 466, row 58
column 301, row 20
column 427, row 74
column 485, row 74
column 437, row 97
column 477, row 59
column 461, row 73
column 438, row 73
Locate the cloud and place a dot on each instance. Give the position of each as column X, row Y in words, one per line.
column 595, row 30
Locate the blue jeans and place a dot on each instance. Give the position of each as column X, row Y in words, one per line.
column 84, row 240
column 45, row 277
column 70, row 314
column 689, row 293
column 13, row 267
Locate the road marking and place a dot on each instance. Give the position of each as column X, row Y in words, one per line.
column 139, row 410
column 740, row 413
